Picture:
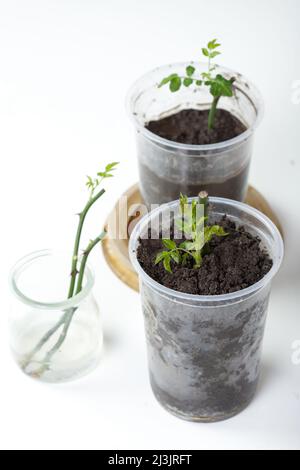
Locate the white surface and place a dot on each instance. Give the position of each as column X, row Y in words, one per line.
column 65, row 69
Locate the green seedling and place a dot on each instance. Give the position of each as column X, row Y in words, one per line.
column 218, row 85
column 192, row 223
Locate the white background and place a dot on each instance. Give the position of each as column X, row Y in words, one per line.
column 65, row 67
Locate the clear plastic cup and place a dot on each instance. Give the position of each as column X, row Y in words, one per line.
column 204, row 352
column 167, row 168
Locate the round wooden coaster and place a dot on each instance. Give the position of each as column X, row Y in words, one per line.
column 116, row 250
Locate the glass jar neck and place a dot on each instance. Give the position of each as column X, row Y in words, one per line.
column 41, row 278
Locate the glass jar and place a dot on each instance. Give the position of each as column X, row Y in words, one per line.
column 51, row 338
column 204, row 351
column 169, row 168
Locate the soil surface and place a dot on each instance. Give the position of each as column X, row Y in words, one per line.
column 232, row 263
column 190, row 127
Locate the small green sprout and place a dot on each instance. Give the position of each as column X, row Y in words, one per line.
column 93, row 183
column 218, row 85
column 193, row 225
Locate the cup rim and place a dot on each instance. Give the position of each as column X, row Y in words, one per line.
column 209, row 299
column 61, row 305
column 259, row 107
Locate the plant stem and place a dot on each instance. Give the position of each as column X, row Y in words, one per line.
column 44, row 340
column 67, row 318
column 203, row 200
column 86, row 253
column 212, row 112
column 82, row 217
column 45, row 362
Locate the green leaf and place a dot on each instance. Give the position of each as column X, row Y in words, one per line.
column 198, row 82
column 187, row 82
column 175, row 84
column 190, row 246
column 213, row 44
column 205, row 52
column 160, row 257
column 198, row 259
column 183, row 245
column 105, row 175
column 206, row 76
column 220, row 86
column 166, row 80
column 175, row 256
column 170, row 244
column 183, row 202
column 217, row 230
column 214, row 54
column 209, row 232
column 111, row 166
column 167, row 264
column 190, row 70
column 200, row 223
column 89, row 182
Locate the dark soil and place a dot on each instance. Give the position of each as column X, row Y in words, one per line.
column 190, row 127
column 232, row 263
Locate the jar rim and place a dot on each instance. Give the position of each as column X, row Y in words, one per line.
column 21, row 264
column 258, row 106
column 210, row 299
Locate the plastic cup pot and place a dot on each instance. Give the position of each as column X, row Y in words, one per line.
column 204, row 352
column 167, row 168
